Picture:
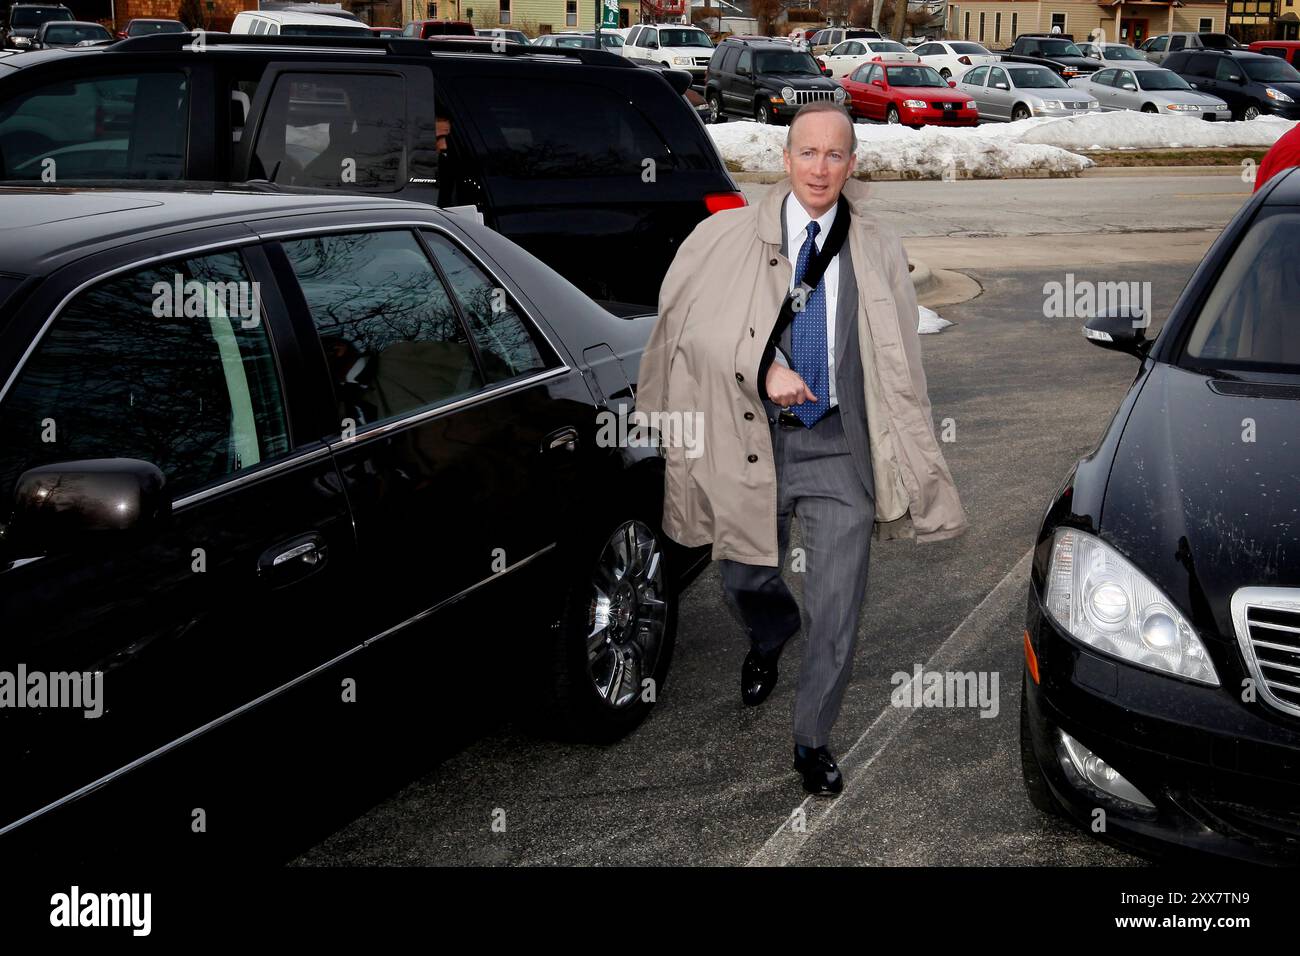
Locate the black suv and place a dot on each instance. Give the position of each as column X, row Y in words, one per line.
column 768, row 81
column 1250, row 83
column 595, row 166
column 26, row 18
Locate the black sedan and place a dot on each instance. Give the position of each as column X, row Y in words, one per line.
column 64, row 33
column 1161, row 705
column 278, row 468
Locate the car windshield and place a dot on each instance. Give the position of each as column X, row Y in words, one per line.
column 923, row 76
column 1248, row 319
column 887, row 46
column 69, row 34
column 321, row 30
column 586, row 43
column 610, row 39
column 1122, row 53
column 788, row 62
column 35, row 16
column 1035, row 78
column 1271, row 70
column 1160, row 80
column 1059, row 48
column 968, row 48
column 154, row 26
column 684, row 38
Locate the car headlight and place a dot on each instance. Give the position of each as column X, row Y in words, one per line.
column 1093, row 104
column 1278, row 95
column 1105, row 602
column 840, row 95
column 914, row 104
column 1049, row 105
column 1182, row 107
column 787, row 93
column 1222, row 108
column 22, row 41
column 682, row 60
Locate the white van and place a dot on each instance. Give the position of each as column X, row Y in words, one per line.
column 290, row 23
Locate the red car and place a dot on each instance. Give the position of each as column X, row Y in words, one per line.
column 909, row 93
column 386, row 31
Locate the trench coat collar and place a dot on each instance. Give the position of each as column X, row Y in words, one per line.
column 855, row 191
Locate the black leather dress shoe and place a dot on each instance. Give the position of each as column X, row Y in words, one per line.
column 821, row 775
column 757, row 677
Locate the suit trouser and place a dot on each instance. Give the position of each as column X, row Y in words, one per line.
column 817, row 482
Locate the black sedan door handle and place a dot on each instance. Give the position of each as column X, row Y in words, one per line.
column 292, row 560
column 563, row 439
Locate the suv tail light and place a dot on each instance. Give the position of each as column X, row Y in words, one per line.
column 964, row 59
column 716, row 202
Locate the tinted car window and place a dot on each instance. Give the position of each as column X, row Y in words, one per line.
column 597, row 134
column 145, row 27
column 1270, row 71
column 1158, row 44
column 976, row 76
column 787, row 61
column 35, row 16
column 171, row 364
column 729, row 63
column 997, row 75
column 1249, row 316
column 1160, row 80
column 1177, row 43
column 1198, row 64
column 68, row 34
column 390, row 332
column 505, row 344
column 746, row 61
column 1104, row 77
column 333, row 131
column 118, row 127
column 1228, row 67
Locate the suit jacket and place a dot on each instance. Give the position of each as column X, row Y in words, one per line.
column 849, row 391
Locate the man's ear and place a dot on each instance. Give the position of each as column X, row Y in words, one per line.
column 785, row 158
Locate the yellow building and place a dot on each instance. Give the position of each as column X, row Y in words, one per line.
column 532, row 16
column 996, row 23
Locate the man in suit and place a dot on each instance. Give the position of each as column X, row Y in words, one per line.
column 826, row 419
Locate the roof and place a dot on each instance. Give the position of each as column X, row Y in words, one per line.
column 1285, row 190
column 46, row 226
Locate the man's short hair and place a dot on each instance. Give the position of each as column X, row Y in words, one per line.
column 822, row 106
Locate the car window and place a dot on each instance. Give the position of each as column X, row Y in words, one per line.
column 1035, row 78
column 1197, row 64
column 1177, row 43
column 860, row 74
column 1226, row 67
column 1248, row 318
column 333, row 131
column 391, row 335
column 977, row 76
column 72, row 33
column 1273, row 51
column 506, row 345
column 966, row 48
column 746, row 61
column 1269, row 71
column 598, row 134
column 125, row 126
column 171, row 364
column 925, row 49
column 1104, row 77
column 729, row 62
column 997, row 75
column 1159, row 44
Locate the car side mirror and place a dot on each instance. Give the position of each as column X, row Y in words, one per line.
column 952, row 83
column 742, row 71
column 1131, row 86
column 652, row 44
column 879, row 83
column 1001, row 86
column 72, row 503
column 1121, row 333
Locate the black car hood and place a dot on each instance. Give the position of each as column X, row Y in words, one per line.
column 1196, row 507
column 796, row 79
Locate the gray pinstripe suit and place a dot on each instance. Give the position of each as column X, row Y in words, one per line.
column 823, row 477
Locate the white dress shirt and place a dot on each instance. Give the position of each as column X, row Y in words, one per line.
column 796, row 230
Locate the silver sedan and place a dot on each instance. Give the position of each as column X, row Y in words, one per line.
column 1014, row 91
column 1151, row 91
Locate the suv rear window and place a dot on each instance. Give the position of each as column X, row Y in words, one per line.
column 125, row 126
column 596, row 134
column 35, row 16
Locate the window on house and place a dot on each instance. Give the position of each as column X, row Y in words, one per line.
column 1207, row 24
column 1014, row 18
column 965, row 34
column 997, row 27
column 504, row 11
column 571, row 13
column 1058, row 20
column 982, row 15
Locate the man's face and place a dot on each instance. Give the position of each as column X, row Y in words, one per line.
column 820, row 160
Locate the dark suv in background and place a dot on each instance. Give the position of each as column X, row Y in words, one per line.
column 25, row 19
column 594, row 165
column 1250, row 83
column 766, row 80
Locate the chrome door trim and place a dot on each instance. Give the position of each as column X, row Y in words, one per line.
column 275, row 692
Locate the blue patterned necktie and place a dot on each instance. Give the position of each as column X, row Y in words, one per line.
column 808, row 338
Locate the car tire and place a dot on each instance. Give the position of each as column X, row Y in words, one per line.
column 1040, row 795
column 763, row 113
column 715, row 108
column 891, row 115
column 1251, row 112
column 640, row 629
column 1149, row 108
column 1020, row 112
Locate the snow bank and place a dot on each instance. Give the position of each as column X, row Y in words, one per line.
column 997, row 149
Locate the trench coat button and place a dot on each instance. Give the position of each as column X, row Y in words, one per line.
column 739, row 377
column 753, row 458
column 771, row 262
column 751, row 333
column 749, row 416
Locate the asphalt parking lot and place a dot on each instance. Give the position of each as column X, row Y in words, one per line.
column 708, row 781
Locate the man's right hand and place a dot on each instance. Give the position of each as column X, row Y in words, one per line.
column 786, row 387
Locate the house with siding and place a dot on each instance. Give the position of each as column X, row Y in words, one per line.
column 996, row 23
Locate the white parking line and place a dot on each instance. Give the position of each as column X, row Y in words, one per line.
column 783, row 846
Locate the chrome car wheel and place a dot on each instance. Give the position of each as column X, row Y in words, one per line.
column 626, row 614
column 1251, row 112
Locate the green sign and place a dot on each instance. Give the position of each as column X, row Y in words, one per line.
column 609, row 21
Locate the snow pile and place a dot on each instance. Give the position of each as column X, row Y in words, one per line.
column 929, row 153
column 998, row 149
column 931, row 322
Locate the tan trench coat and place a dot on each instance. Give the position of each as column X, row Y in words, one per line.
column 717, row 307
